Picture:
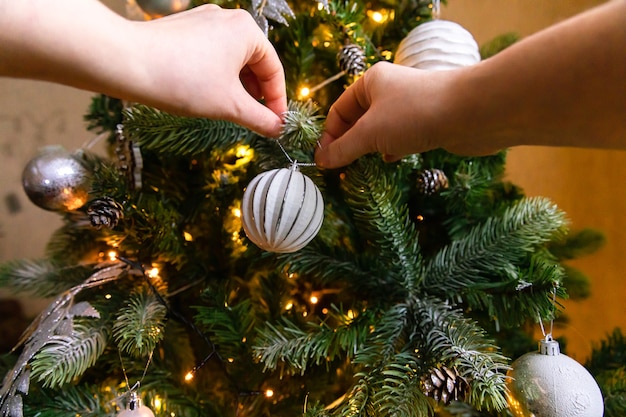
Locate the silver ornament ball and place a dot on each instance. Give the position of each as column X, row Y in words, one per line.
column 550, row 384
column 282, row 210
column 438, row 45
column 158, row 8
column 56, row 180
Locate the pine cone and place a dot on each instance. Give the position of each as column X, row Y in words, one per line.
column 431, row 181
column 105, row 212
column 445, row 384
column 352, row 59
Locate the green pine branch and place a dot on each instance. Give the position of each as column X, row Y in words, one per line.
column 228, row 325
column 67, row 356
column 493, row 249
column 287, row 343
column 70, row 242
column 374, row 192
column 453, row 339
column 401, row 391
column 104, row 113
column 77, row 400
column 302, row 126
column 528, row 295
column 174, row 135
column 41, row 278
column 332, row 266
column 385, row 339
column 140, row 325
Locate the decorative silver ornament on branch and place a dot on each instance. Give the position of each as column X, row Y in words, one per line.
column 57, row 180
column 438, row 45
column 549, row 384
column 282, row 210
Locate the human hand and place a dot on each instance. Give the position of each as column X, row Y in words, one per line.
column 210, row 62
column 396, row 111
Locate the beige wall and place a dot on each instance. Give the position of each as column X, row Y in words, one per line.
column 587, row 184
column 34, row 114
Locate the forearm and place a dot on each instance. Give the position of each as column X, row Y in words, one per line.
column 71, row 42
column 563, row 86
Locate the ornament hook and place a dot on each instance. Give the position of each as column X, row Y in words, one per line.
column 436, row 9
column 548, row 336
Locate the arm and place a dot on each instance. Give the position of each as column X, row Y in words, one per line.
column 188, row 63
column 563, row 86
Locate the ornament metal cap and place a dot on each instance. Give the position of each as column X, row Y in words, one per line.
column 549, row 347
column 135, row 401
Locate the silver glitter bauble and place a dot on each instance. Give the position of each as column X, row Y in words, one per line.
column 158, row 8
column 438, row 45
column 282, row 210
column 550, row 384
column 56, row 180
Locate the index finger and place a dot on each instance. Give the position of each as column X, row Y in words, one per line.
column 270, row 75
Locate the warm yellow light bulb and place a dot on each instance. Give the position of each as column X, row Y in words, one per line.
column 304, row 92
column 189, row 376
column 242, row 151
column 269, row 393
column 154, row 272
column 314, row 299
column 378, row 16
column 112, row 255
column 187, row 236
column 157, row 402
column 236, row 212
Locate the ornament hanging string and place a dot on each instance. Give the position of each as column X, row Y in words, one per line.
column 137, row 384
column 548, row 336
column 293, row 162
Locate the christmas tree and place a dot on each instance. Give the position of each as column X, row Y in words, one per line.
column 175, row 286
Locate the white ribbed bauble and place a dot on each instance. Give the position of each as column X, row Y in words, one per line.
column 438, row 45
column 550, row 384
column 282, row 210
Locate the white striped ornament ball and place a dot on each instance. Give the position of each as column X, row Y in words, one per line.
column 438, row 45
column 282, row 210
